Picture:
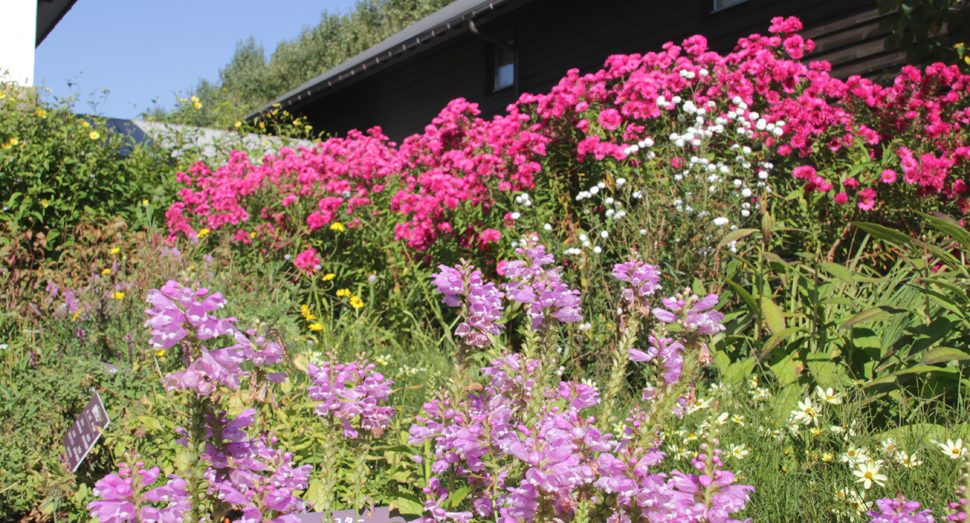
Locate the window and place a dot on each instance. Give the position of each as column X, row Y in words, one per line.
column 720, row 5
column 503, row 67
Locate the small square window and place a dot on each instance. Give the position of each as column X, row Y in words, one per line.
column 720, row 5
column 503, row 67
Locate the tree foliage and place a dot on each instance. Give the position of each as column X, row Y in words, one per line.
column 249, row 80
column 928, row 30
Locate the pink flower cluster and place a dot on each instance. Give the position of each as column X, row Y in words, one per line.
column 462, row 164
column 351, row 392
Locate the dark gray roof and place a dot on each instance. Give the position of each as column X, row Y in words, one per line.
column 49, row 12
column 426, row 32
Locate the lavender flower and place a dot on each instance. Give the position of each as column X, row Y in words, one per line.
column 644, row 278
column 350, row 392
column 122, row 497
column 898, row 510
column 483, row 307
column 541, row 290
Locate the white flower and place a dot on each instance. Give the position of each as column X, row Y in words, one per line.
column 547, row 227
column 643, row 232
column 868, row 473
column 604, row 235
column 620, row 182
column 739, row 451
column 516, row 216
column 828, row 395
column 806, row 413
column 720, row 222
column 594, row 190
column 908, row 461
column 854, row 455
column 890, row 446
column 583, row 237
column 953, row 449
column 597, row 250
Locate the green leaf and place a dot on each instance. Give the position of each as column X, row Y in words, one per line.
column 923, row 369
column 774, row 317
column 839, row 272
column 883, row 233
column 735, row 235
column 746, row 297
column 456, row 497
column 777, row 338
column 873, row 314
column 943, row 355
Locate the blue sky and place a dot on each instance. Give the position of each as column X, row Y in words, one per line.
column 140, row 49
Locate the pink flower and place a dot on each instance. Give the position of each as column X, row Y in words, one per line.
column 841, row 198
column 307, row 261
column 888, row 176
column 489, row 236
column 610, row 119
column 867, row 199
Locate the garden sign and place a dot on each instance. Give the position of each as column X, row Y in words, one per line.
column 85, row 432
column 378, row 515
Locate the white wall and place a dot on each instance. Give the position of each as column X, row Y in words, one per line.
column 18, row 34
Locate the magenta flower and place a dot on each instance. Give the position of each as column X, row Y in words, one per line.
column 898, row 510
column 351, row 392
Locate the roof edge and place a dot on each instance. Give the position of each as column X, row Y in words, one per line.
column 453, row 17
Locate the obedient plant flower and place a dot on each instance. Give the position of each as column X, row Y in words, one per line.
column 123, row 496
column 644, row 278
column 541, row 290
column 898, row 510
column 351, row 395
column 482, row 306
column 251, row 475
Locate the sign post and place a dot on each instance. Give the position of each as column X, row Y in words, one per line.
column 85, row 432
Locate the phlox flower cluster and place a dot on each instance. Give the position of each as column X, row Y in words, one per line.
column 249, row 474
column 761, row 96
column 351, row 394
column 123, row 496
column 528, row 449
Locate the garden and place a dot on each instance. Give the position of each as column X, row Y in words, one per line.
column 689, row 286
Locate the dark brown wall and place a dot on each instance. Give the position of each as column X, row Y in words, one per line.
column 552, row 36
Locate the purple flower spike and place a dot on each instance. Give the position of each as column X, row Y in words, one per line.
column 541, row 290
column 483, row 302
column 644, row 278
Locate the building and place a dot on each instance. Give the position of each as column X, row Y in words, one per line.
column 490, row 51
column 23, row 26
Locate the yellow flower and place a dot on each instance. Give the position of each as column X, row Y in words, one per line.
column 116, row 250
column 305, row 311
column 94, row 135
column 355, row 302
column 329, row 276
column 41, row 113
column 252, row 234
column 309, row 127
column 119, row 295
column 85, row 125
column 194, row 99
column 44, row 203
column 315, row 326
column 238, row 124
column 337, row 226
column 160, row 352
column 343, row 292
column 145, row 203
column 202, row 233
column 3, row 94
column 76, row 314
column 14, row 141
column 197, row 105
column 105, row 272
